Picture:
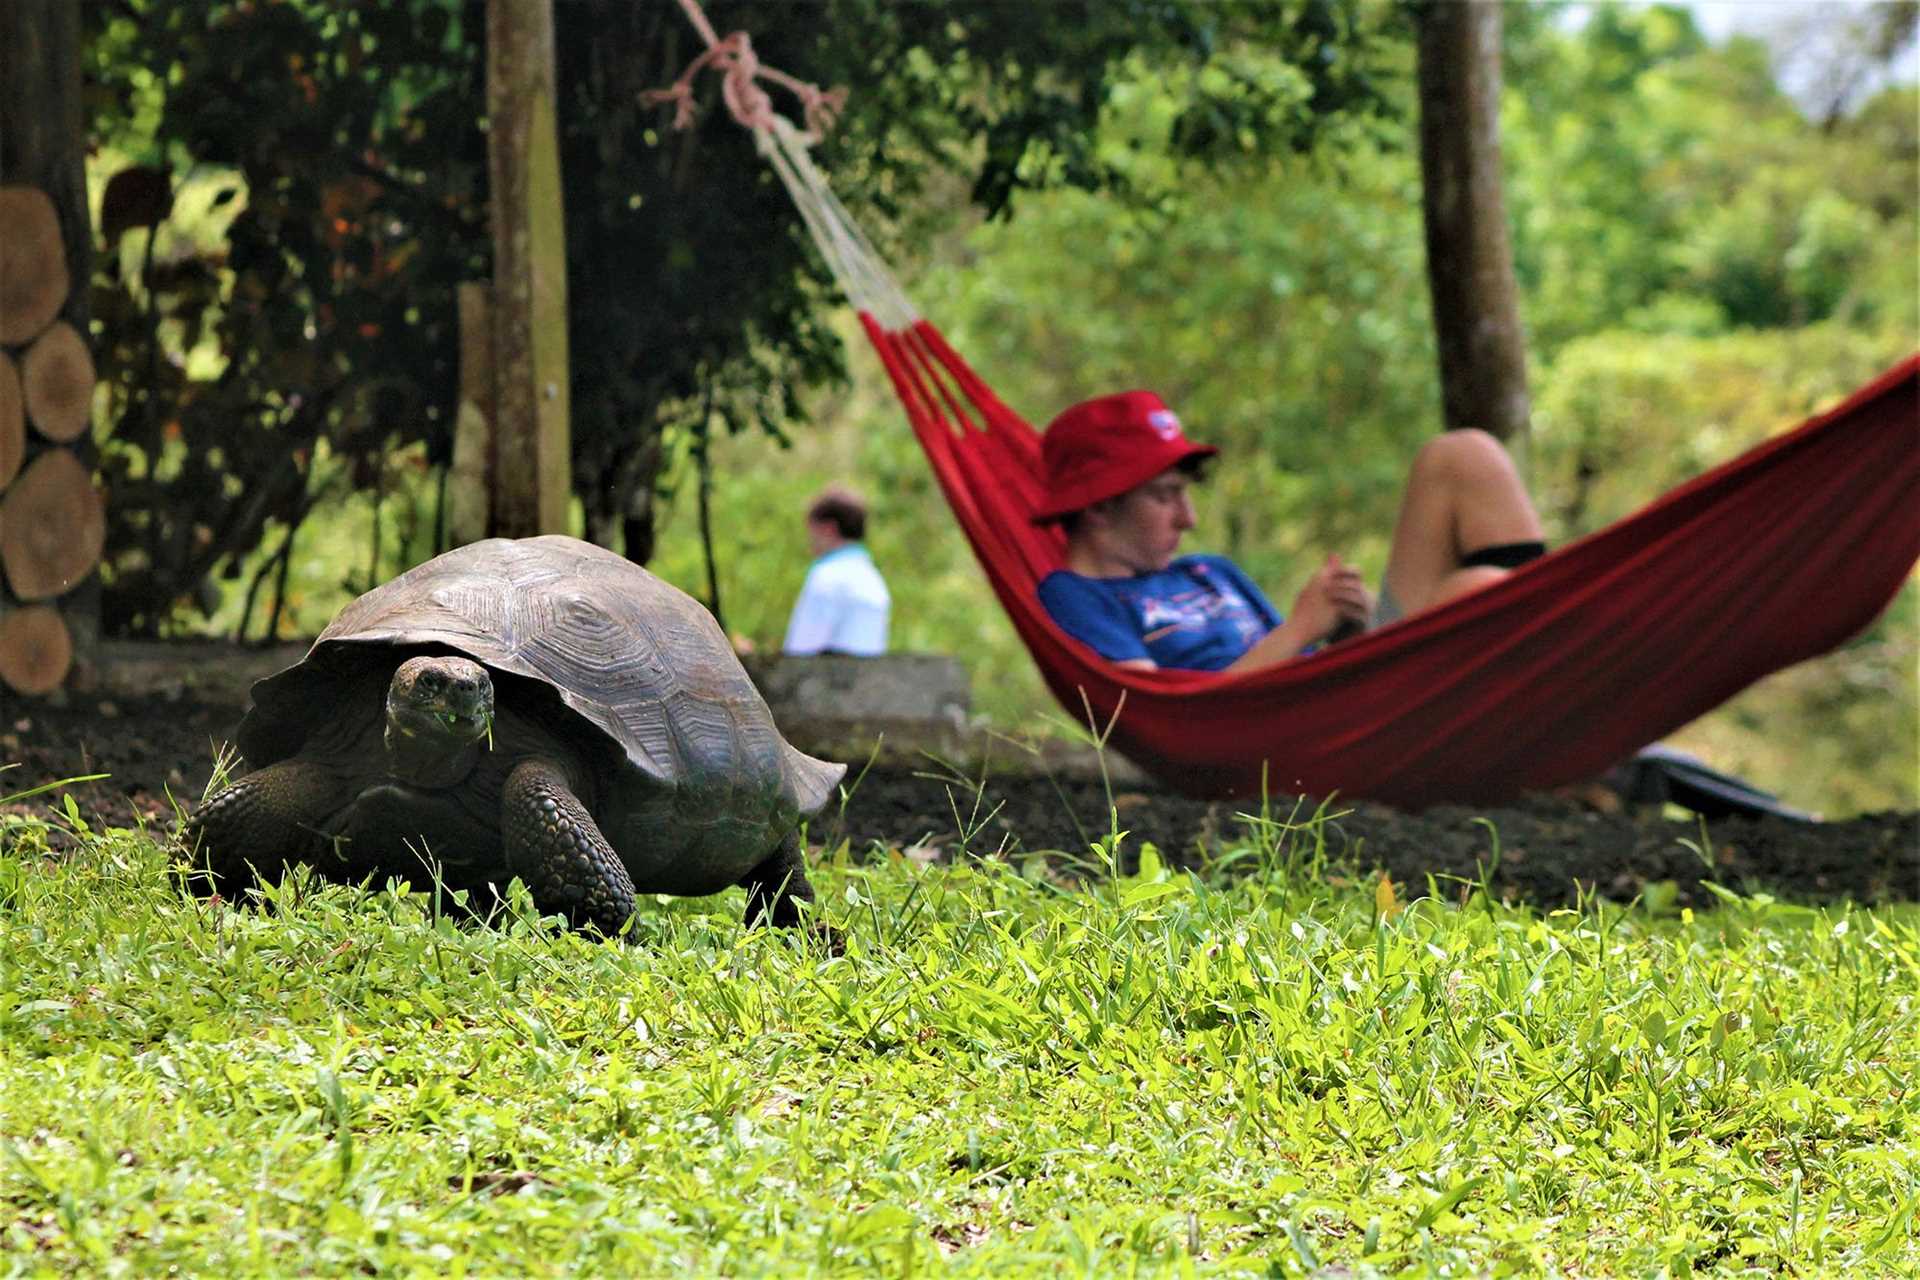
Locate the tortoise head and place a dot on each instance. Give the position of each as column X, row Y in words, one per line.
column 438, row 711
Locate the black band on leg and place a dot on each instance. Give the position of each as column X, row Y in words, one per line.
column 1506, row 555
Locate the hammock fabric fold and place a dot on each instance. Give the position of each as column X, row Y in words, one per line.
column 1566, row 667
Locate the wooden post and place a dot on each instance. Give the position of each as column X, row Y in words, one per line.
column 532, row 473
column 1476, row 310
column 52, row 523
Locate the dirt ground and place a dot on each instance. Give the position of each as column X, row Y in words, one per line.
column 1546, row 850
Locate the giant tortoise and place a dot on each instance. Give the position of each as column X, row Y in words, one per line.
column 540, row 708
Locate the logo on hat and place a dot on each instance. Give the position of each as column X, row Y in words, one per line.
column 1164, row 423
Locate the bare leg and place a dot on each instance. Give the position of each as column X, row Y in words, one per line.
column 1463, row 494
column 259, row 824
column 556, row 847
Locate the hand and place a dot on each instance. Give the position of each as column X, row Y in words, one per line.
column 1334, row 599
column 1334, row 604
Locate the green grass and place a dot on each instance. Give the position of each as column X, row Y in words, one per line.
column 1261, row 1071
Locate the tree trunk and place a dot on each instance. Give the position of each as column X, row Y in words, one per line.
column 470, row 473
column 1476, row 313
column 52, row 526
column 637, row 534
column 638, row 473
column 532, row 472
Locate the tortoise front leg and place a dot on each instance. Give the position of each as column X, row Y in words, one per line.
column 259, row 824
column 554, row 845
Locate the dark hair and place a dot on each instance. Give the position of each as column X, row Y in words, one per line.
column 843, row 509
column 1194, row 467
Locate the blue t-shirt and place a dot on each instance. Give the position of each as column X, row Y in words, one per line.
column 1200, row 613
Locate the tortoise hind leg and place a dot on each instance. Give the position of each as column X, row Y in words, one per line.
column 259, row 824
column 778, row 885
column 555, row 846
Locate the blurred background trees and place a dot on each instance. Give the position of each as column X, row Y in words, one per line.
column 280, row 324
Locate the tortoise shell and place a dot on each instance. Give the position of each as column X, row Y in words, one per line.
column 650, row 687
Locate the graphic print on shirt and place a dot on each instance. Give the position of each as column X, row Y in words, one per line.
column 1197, row 609
column 1200, row 613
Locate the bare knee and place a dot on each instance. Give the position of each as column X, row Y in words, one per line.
column 1461, row 454
column 1463, row 581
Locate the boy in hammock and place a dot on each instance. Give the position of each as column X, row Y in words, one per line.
column 1117, row 472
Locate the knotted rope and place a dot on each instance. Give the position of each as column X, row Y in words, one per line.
column 861, row 273
column 739, row 67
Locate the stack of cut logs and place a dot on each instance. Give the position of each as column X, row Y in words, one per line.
column 52, row 522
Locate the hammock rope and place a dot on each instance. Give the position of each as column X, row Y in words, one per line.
column 1565, row 667
column 739, row 67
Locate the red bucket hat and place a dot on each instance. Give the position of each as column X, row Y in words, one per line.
column 1100, row 448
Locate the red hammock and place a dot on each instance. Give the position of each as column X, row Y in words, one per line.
column 1569, row 665
column 1566, row 667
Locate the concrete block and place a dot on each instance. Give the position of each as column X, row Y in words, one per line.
column 908, row 709
column 898, row 706
column 895, row 686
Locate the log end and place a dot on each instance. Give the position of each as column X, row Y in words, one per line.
column 36, row 649
column 53, row 527
column 33, row 273
column 57, row 378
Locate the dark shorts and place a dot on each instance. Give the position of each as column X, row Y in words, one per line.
column 1507, row 555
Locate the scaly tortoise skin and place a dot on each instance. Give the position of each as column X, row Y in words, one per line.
column 540, row 708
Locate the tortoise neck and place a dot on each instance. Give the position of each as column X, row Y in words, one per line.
column 429, row 761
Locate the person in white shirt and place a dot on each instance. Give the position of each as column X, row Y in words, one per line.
column 843, row 605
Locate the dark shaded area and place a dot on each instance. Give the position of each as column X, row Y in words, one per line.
column 1545, row 850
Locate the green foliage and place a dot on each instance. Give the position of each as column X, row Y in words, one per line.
column 1624, row 415
column 292, row 295
column 1658, row 184
column 350, row 141
column 1165, row 1074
